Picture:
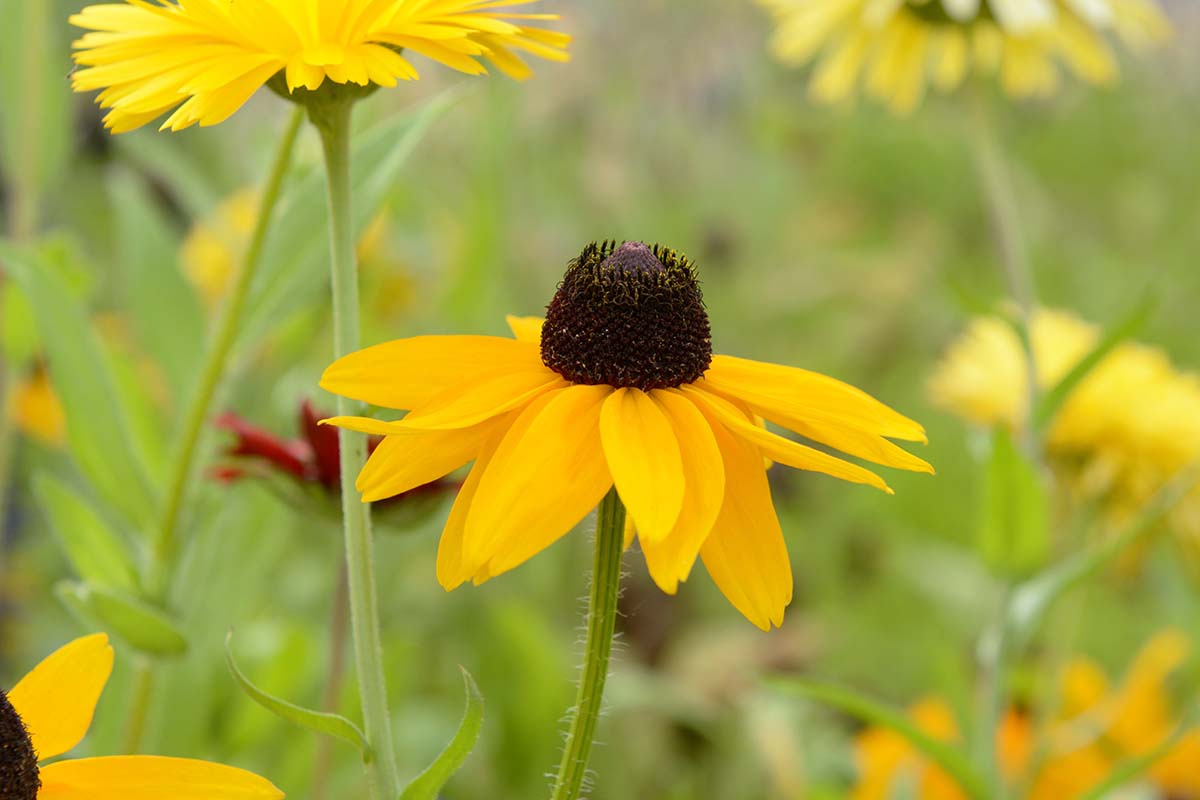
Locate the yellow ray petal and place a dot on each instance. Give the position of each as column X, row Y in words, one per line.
column 546, row 475
column 452, row 569
column 471, row 403
column 745, row 553
column 407, row 373
column 58, row 698
column 151, row 778
column 643, row 457
column 670, row 561
column 409, row 459
column 772, row 389
column 526, row 329
column 777, row 448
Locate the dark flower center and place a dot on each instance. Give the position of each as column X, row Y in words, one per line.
column 628, row 316
column 18, row 762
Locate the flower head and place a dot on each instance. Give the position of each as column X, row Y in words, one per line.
column 47, row 714
column 1125, row 430
column 619, row 386
column 897, row 48
column 203, row 59
column 36, row 410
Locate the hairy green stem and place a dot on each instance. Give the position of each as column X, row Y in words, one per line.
column 601, row 622
column 333, row 122
column 183, row 466
column 216, row 363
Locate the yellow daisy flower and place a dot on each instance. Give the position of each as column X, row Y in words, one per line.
column 1098, row 728
column 36, row 410
column 47, row 714
column 205, row 58
column 1129, row 426
column 895, row 49
column 213, row 248
column 618, row 386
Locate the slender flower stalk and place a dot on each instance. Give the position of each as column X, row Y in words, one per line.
column 601, row 622
column 332, row 120
column 183, row 466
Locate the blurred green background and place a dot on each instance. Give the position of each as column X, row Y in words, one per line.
column 845, row 241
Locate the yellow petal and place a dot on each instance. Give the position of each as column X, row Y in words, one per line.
column 745, row 553
column 526, row 329
column 407, row 373
column 771, row 389
column 151, row 778
column 491, row 395
column 452, row 569
column 777, row 448
column 409, row 459
column 670, row 561
column 643, row 457
column 58, row 698
column 546, row 475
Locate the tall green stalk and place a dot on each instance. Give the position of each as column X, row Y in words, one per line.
column 601, row 622
column 332, row 120
column 213, row 371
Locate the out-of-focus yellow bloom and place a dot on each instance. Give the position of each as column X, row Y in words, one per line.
column 1097, row 728
column 212, row 251
column 1130, row 425
column 201, row 60
column 896, row 49
column 36, row 410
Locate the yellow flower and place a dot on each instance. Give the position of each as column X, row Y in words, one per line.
column 36, row 410
column 1121, row 434
column 47, row 714
column 205, row 58
column 212, row 251
column 1097, row 729
column 897, row 48
column 619, row 386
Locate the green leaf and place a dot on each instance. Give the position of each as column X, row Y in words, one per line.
column 295, row 264
column 97, row 552
column 1014, row 531
column 429, row 783
column 1052, row 400
column 142, row 626
column 319, row 721
column 953, row 762
column 1134, row 768
column 1033, row 598
column 163, row 308
column 97, row 423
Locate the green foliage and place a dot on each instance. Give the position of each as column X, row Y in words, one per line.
column 143, row 627
column 429, row 783
column 99, row 554
column 1014, row 529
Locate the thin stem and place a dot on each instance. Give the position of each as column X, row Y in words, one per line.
column 335, row 675
column 217, row 361
column 333, row 122
column 601, row 622
column 215, row 366
column 996, row 182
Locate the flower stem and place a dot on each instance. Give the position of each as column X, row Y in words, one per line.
column 217, row 361
column 216, row 364
column 333, row 122
column 601, row 622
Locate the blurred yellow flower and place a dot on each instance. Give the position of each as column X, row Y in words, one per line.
column 48, row 713
column 1097, row 728
column 203, row 59
column 36, row 410
column 212, row 251
column 618, row 386
column 895, row 49
column 1129, row 426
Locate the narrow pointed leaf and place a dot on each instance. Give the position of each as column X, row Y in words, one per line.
column 319, row 721
column 99, row 554
column 142, row 626
column 953, row 762
column 429, row 783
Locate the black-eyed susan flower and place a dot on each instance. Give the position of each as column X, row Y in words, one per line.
column 1121, row 434
column 895, row 49
column 618, row 386
column 203, row 59
column 1098, row 728
column 47, row 714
